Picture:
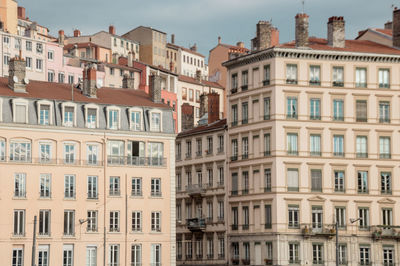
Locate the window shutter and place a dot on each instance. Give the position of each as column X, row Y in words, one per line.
column 293, row 178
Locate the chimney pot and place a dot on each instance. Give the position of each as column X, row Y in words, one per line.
column 302, row 30
column 173, row 38
column 21, row 12
column 336, row 32
column 267, row 36
column 155, row 88
column 16, row 74
column 396, row 28
column 77, row 33
column 61, row 37
column 219, row 39
column 90, row 81
column 111, row 29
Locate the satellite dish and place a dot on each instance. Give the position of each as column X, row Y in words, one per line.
column 26, row 80
column 15, row 79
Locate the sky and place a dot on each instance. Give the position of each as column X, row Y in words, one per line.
column 202, row 21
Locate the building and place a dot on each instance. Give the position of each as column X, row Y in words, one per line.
column 313, row 142
column 8, row 14
column 31, row 29
column 152, row 45
column 200, row 192
column 378, row 35
column 93, row 167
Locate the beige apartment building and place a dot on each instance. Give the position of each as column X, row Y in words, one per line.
column 200, row 193
column 314, row 140
column 94, row 169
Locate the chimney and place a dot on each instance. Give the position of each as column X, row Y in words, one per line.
column 173, row 38
column 213, row 107
column 128, row 82
column 172, row 66
column 388, row 25
column 187, row 116
column 198, row 75
column 90, row 81
column 61, row 37
column 396, row 27
column 16, row 75
column 194, row 48
column 130, row 59
column 77, row 33
column 21, row 12
column 302, row 30
column 111, row 29
column 155, row 88
column 75, row 51
column 240, row 44
column 219, row 39
column 336, row 32
column 267, row 36
column 203, row 104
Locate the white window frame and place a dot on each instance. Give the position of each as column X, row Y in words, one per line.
column 20, row 101
column 91, row 255
column 50, row 52
column 46, row 178
column 91, row 106
column 41, row 65
column 114, row 261
column 50, row 104
column 44, row 248
column 92, row 162
column 1, row 110
column 132, row 125
column 113, row 108
column 68, row 104
column 19, row 255
column 151, row 123
column 28, row 66
column 75, row 159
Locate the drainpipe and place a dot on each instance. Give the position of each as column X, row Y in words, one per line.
column 104, row 199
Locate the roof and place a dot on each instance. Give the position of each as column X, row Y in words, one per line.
column 83, row 45
column 174, row 46
column 145, row 27
column 202, row 82
column 388, row 33
column 359, row 46
column 233, row 47
column 58, row 91
column 126, row 67
column 217, row 125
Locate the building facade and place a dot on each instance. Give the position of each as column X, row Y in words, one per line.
column 313, row 143
column 92, row 168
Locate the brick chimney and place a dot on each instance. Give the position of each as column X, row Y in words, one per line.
column 61, row 37
column 396, row 27
column 77, row 33
column 128, row 82
column 187, row 116
column 213, row 107
column 130, row 59
column 90, row 81
column 336, row 32
column 21, row 12
column 388, row 25
column 267, row 36
column 302, row 30
column 111, row 29
column 16, row 75
column 173, row 38
column 155, row 88
column 203, row 104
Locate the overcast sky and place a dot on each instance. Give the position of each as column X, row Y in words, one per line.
column 202, row 21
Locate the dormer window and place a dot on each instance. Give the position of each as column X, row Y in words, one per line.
column 45, row 114
column 68, row 116
column 113, row 117
column 20, row 108
column 91, row 116
column 155, row 121
column 136, row 119
column 2, row 150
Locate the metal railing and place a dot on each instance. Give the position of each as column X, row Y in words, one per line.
column 136, row 161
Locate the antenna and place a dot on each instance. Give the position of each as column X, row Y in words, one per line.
column 303, row 3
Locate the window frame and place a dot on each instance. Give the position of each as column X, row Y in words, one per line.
column 63, row 106
column 20, row 101
column 131, row 123
column 108, row 110
column 91, row 106
column 39, row 105
column 155, row 111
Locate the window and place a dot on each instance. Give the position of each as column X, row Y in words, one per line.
column 245, row 148
column 291, row 74
column 91, row 256
column 386, row 183
column 267, row 108
column 267, row 180
column 293, row 253
column 136, row 123
column 362, row 147
column 115, row 152
column 292, row 144
column 221, row 208
column 156, row 187
column 199, row 147
column 268, row 217
column 315, row 110
column 39, row 64
column 315, row 145
column 69, row 186
column 113, row 119
column 113, row 258
column 221, row 247
column 234, row 84
column 318, row 254
column 362, row 181
column 267, row 75
column 315, row 75
column 210, row 177
column 69, row 223
column 68, row 255
column 388, row 255
column 316, row 214
column 234, row 150
column 210, row 211
column 220, row 143
column 20, row 151
column 136, row 186
column 245, row 80
column 339, row 181
column 245, row 113
column 384, row 148
column 246, row 247
column 44, row 114
column 28, row 45
column 209, row 145
column 156, row 221
column 364, row 255
column 234, row 115
column 338, row 80
column 39, row 48
column 293, row 179
column 136, row 221
column 2, row 150
column 20, row 113
column 361, row 111
column 6, row 60
column 45, row 185
column 316, row 180
column 384, row 78
column 20, row 185
column 61, row 77
column 267, row 144
column 235, row 251
column 340, row 214
column 155, row 151
column 363, row 214
column 361, row 77
column 136, row 255
column 91, row 118
column 155, row 122
column 92, row 187
column 342, row 254
column 293, row 216
column 44, row 222
column 291, row 108
column 69, row 153
column 338, row 142
column 114, row 221
column 155, row 255
column 17, row 257
column 28, row 62
column 338, row 110
column 50, row 55
column 210, row 248
column 235, row 218
column 387, row 217
column 384, row 112
column 190, row 95
column 91, row 221
column 19, row 222
column 115, row 185
column 43, row 255
column 70, row 79
column 69, row 116
column 245, row 216
column 92, row 154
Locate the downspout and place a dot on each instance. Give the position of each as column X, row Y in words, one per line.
column 126, row 219
column 104, row 199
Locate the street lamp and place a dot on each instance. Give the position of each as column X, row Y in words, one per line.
column 352, row 220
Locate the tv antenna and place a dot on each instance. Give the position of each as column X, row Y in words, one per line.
column 303, row 3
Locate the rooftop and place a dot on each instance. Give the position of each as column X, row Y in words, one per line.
column 184, row 49
column 202, row 82
column 217, row 125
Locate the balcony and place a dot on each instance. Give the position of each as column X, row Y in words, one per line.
column 234, row 90
column 385, row 156
column 291, row 81
column 315, row 82
column 266, row 82
column 338, row 84
column 92, row 195
column 136, row 161
column 362, row 155
column 245, row 121
column 384, row 85
column 244, row 87
column 235, row 227
column 318, row 230
column 385, row 232
column 198, row 154
column 267, row 153
column 362, row 119
column 235, row 123
column 195, row 190
column 209, row 152
column 234, row 158
column 196, row 224
column 188, row 155
column 246, row 261
column 315, row 117
column 267, row 117
column 384, row 120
